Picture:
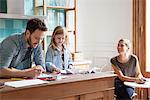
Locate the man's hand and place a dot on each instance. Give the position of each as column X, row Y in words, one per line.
column 39, row 67
column 34, row 72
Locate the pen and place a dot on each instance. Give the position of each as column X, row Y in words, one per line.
column 17, row 79
column 47, row 79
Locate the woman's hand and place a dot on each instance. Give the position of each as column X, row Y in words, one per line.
column 140, row 81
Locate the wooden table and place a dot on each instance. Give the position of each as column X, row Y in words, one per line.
column 75, row 87
column 142, row 89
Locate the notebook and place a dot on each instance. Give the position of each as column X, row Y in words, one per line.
column 24, row 83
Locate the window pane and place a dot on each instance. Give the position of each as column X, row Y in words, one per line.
column 148, row 35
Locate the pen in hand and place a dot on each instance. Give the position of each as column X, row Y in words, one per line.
column 140, row 81
column 144, row 79
column 34, row 72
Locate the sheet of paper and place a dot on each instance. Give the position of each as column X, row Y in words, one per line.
column 60, row 77
column 147, row 79
column 67, row 71
column 63, row 71
column 23, row 83
column 44, row 76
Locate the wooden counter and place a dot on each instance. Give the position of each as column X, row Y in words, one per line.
column 74, row 87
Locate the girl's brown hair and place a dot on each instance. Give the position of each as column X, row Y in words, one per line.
column 58, row 30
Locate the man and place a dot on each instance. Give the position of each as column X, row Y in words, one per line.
column 17, row 52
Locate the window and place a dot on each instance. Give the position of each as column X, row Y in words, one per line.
column 3, row 6
column 58, row 12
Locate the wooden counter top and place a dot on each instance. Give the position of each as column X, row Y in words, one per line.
column 73, row 86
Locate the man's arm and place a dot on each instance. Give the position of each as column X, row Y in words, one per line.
column 12, row 72
column 8, row 49
column 39, row 56
column 8, row 72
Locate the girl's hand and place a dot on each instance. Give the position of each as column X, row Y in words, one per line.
column 57, row 70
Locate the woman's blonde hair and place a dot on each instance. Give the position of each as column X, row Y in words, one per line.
column 127, row 43
column 58, row 30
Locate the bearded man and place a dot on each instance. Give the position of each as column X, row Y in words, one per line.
column 18, row 52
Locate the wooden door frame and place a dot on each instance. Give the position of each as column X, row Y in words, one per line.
column 139, row 33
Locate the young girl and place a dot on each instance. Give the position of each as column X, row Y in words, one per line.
column 126, row 66
column 58, row 56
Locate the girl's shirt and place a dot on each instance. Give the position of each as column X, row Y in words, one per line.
column 60, row 60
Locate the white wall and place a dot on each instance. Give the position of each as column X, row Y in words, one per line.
column 100, row 24
column 15, row 7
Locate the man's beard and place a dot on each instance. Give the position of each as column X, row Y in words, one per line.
column 29, row 41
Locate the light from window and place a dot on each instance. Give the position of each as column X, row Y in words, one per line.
column 148, row 35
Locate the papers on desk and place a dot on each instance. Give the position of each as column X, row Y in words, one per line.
column 147, row 79
column 60, row 77
column 23, row 83
column 67, row 71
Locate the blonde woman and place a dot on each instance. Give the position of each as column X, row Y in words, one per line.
column 58, row 56
column 126, row 66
